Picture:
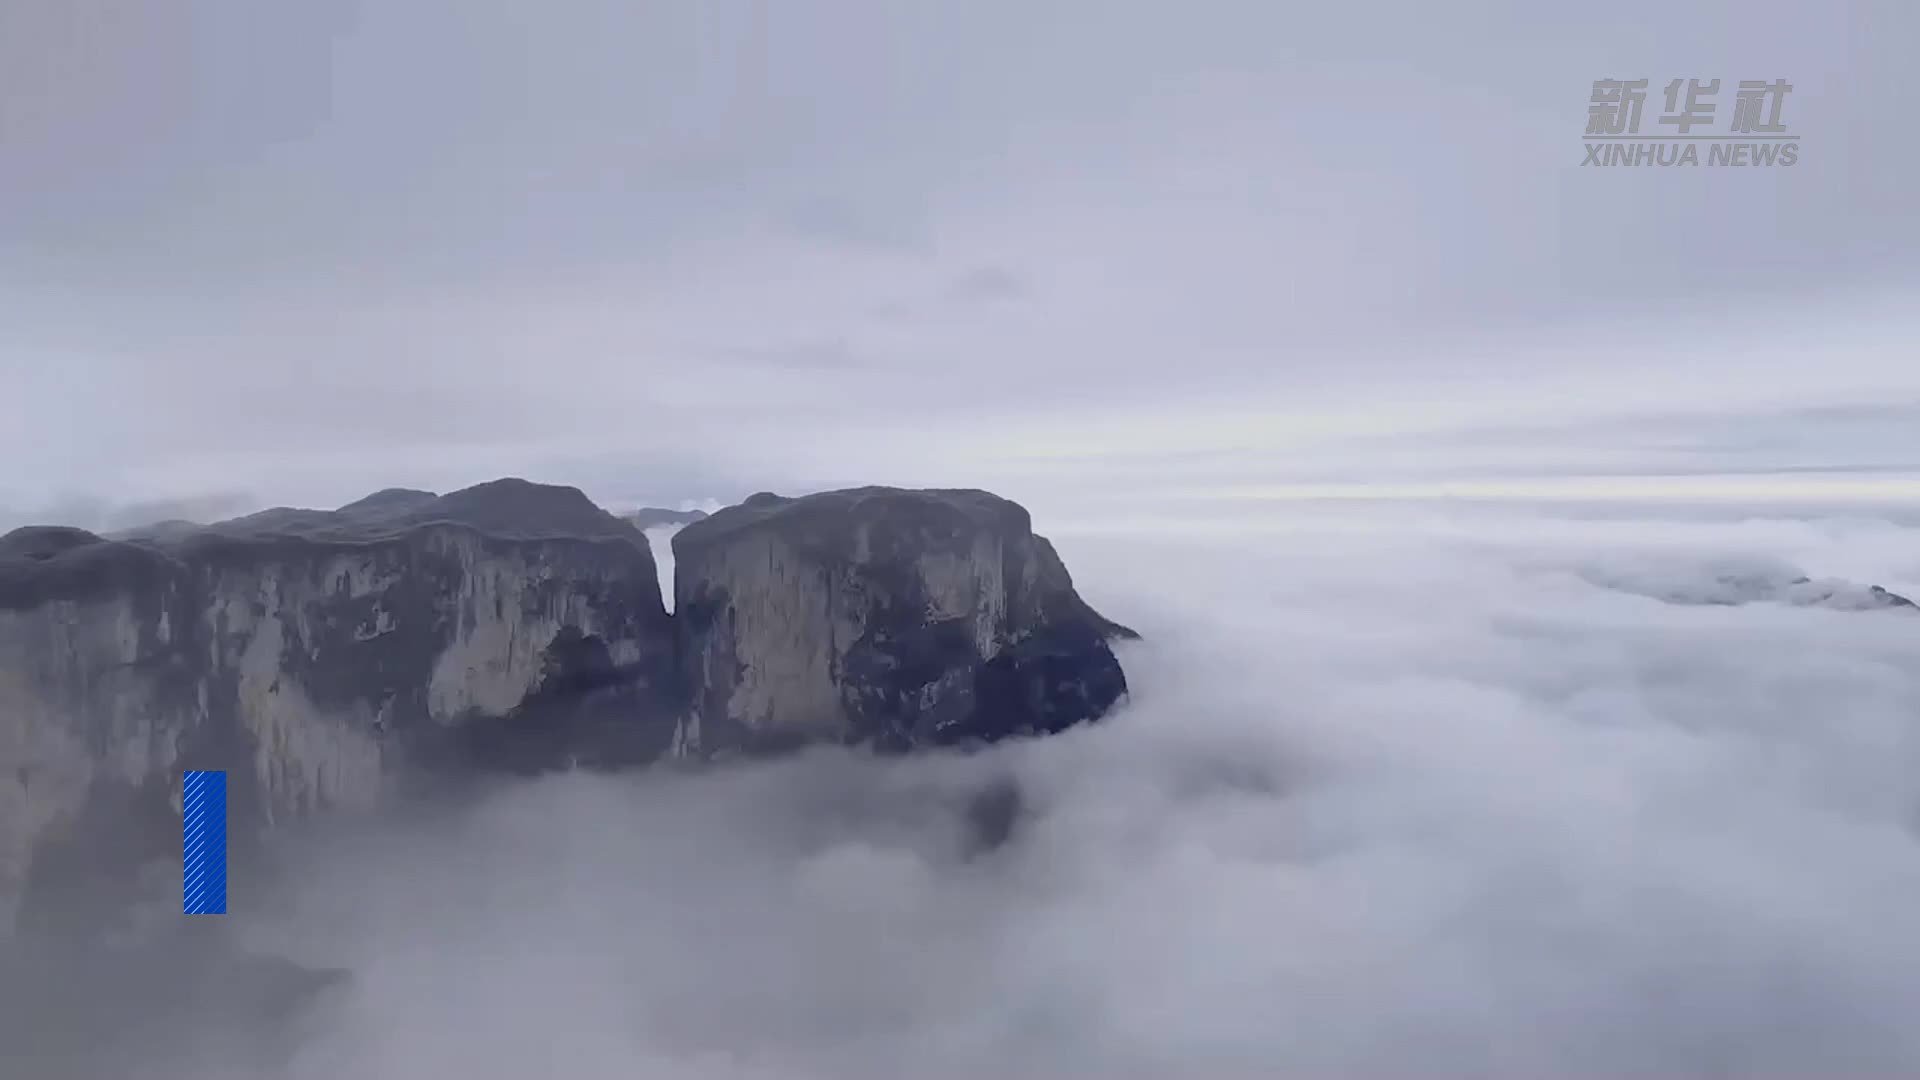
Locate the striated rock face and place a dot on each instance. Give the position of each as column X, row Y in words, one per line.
column 883, row 616
column 309, row 653
column 323, row 657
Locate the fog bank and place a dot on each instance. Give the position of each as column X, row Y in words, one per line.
column 1399, row 791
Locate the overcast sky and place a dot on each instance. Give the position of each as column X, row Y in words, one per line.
column 289, row 252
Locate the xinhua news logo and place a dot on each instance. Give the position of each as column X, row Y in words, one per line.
column 1755, row 135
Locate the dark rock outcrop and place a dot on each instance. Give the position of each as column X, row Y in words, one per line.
column 882, row 616
column 651, row 517
column 321, row 658
column 309, row 653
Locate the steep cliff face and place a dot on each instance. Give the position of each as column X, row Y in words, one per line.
column 320, row 657
column 309, row 654
column 884, row 616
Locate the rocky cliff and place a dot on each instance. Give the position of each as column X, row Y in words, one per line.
column 322, row 657
column 309, row 653
column 882, row 616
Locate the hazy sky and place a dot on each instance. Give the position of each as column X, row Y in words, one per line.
column 291, row 252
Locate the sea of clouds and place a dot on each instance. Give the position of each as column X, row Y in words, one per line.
column 1401, row 789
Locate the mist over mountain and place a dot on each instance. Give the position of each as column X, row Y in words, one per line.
column 1393, row 786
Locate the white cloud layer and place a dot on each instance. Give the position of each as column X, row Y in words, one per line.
column 1401, row 791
